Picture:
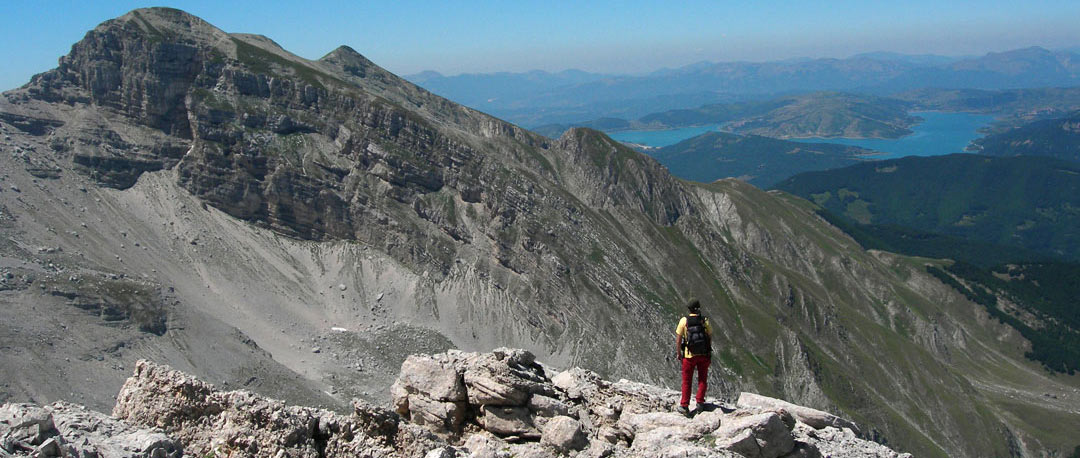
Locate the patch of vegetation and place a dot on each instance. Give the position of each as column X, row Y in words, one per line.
column 153, row 34
column 729, row 361
column 1046, row 291
column 962, row 206
column 899, row 239
column 1049, row 137
column 261, row 61
column 761, row 161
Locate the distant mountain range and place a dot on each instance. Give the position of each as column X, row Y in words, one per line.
column 538, row 98
column 761, row 161
column 818, row 114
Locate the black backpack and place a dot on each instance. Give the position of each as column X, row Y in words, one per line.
column 697, row 338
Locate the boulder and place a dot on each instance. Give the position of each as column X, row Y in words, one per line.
column 742, row 442
column 635, row 424
column 564, row 434
column 704, row 423
column 437, row 379
column 546, row 406
column 667, row 442
column 813, row 417
column 399, row 398
column 442, row 417
column 830, row 441
column 24, row 426
column 486, row 386
column 504, row 377
column 804, row 450
column 770, row 435
column 484, row 445
column 509, row 421
column 577, row 383
column 63, row 429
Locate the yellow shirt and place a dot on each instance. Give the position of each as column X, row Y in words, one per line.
column 680, row 331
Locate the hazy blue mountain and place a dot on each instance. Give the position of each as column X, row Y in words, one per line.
column 915, row 59
column 501, row 89
column 537, row 98
column 1020, row 68
column 761, row 161
column 817, row 114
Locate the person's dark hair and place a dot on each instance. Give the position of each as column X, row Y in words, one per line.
column 693, row 305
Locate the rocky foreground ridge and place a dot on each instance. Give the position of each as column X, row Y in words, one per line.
column 453, row 404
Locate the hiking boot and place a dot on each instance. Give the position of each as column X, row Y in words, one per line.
column 682, row 410
column 697, row 409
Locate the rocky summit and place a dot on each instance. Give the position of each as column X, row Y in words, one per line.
column 454, row 404
column 298, row 228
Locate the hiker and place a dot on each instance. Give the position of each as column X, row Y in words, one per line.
column 693, row 340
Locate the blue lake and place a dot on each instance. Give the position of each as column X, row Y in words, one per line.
column 939, row 133
column 659, row 138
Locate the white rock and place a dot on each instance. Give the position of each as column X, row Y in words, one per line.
column 438, row 380
column 813, row 417
column 564, row 434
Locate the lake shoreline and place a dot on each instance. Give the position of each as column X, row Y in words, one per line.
column 939, row 133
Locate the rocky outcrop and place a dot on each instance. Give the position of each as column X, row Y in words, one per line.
column 454, row 404
column 812, row 417
column 67, row 430
column 508, row 398
column 216, row 423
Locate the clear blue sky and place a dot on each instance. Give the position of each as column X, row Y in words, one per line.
column 601, row 36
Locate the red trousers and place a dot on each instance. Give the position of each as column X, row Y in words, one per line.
column 701, row 363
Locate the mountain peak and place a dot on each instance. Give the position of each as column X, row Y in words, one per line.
column 167, row 24
column 346, row 55
column 343, row 52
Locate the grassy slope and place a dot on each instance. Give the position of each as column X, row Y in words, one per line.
column 1032, row 203
column 761, row 161
column 1057, row 137
column 819, row 114
column 885, row 339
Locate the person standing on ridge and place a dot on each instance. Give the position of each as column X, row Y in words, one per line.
column 693, row 341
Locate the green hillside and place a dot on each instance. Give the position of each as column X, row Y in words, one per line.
column 817, row 114
column 1031, row 203
column 761, row 161
column 1038, row 300
column 1057, row 137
